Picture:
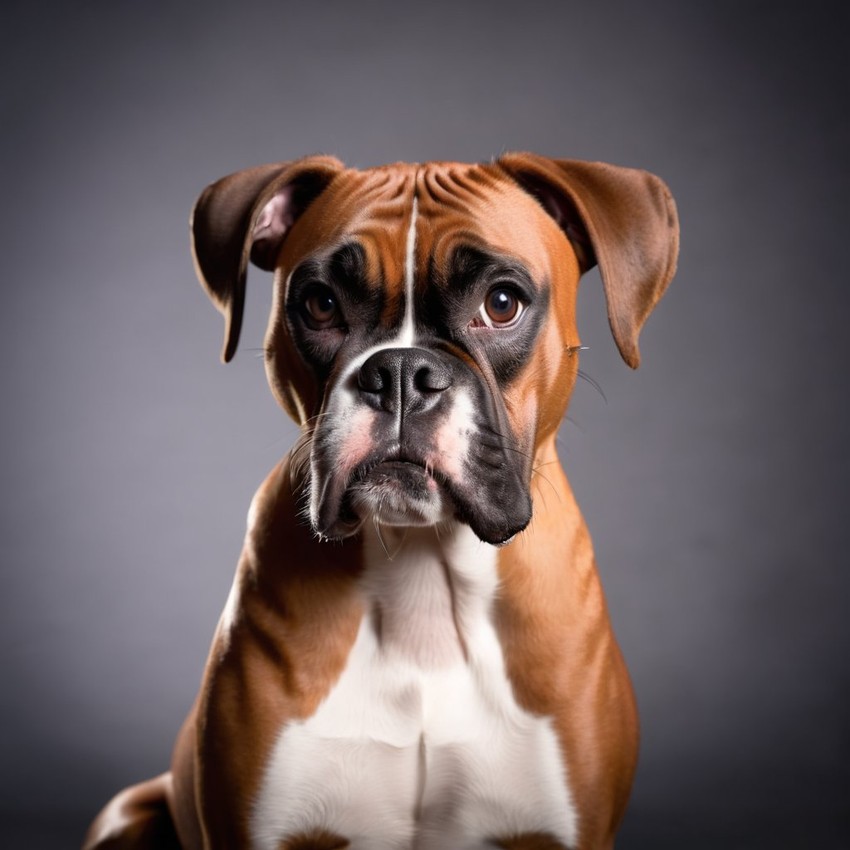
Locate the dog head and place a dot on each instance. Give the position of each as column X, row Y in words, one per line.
column 423, row 327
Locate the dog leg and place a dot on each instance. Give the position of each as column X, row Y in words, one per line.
column 135, row 819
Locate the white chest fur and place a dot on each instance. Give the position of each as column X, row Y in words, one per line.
column 421, row 743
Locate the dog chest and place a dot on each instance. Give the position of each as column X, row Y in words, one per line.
column 420, row 743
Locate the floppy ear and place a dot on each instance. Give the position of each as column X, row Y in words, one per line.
column 247, row 216
column 622, row 218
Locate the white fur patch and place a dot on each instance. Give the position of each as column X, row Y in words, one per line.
column 420, row 744
column 452, row 438
column 408, row 326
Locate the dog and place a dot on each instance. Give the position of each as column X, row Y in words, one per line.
column 416, row 651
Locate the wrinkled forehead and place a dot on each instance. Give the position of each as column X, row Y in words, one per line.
column 425, row 214
column 462, row 206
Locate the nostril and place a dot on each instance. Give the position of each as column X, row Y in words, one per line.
column 373, row 378
column 428, row 379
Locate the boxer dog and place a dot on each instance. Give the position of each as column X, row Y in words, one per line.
column 416, row 651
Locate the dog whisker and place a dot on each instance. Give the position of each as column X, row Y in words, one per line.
column 536, row 471
column 593, row 382
column 380, row 536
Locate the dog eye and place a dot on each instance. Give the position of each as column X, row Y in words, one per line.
column 501, row 309
column 321, row 309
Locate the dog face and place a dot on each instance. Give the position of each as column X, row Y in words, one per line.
column 423, row 328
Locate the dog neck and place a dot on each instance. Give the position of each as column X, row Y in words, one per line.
column 426, row 588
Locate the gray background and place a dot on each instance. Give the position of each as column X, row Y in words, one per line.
column 713, row 479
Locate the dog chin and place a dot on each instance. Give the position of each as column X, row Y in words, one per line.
column 397, row 493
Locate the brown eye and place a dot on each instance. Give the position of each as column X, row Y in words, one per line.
column 321, row 309
column 501, row 308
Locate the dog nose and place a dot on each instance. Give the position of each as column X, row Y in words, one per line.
column 404, row 380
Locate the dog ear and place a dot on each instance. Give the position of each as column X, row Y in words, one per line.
column 622, row 218
column 247, row 216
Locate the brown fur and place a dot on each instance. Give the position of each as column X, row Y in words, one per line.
column 286, row 645
column 530, row 841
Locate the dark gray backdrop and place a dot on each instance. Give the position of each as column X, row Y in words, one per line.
column 714, row 479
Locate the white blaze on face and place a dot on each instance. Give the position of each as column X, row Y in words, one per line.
column 408, row 330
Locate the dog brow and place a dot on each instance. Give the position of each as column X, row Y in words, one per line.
column 347, row 264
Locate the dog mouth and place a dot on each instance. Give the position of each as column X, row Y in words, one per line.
column 395, row 492
column 418, row 483
column 402, row 491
